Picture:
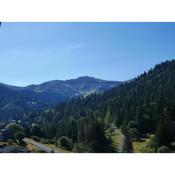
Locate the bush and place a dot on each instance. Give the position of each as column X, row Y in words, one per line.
column 163, row 149
column 164, row 133
column 37, row 131
column 134, row 133
column 19, row 136
column 37, row 139
column 51, row 141
column 132, row 124
column 79, row 148
column 15, row 127
column 10, row 141
column 47, row 141
column 44, row 141
column 65, row 143
column 151, row 147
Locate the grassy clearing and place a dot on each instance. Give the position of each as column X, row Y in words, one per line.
column 115, row 136
column 146, row 145
column 116, row 139
column 140, row 146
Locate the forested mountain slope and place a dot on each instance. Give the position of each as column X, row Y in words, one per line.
column 145, row 105
column 15, row 101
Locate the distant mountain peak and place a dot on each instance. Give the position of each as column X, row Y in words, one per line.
column 86, row 77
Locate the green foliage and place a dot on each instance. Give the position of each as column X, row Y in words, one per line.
column 163, row 149
column 108, row 117
column 164, row 134
column 47, row 141
column 80, row 148
column 37, row 131
column 85, row 131
column 37, row 139
column 128, row 147
column 145, row 145
column 65, row 143
column 134, row 133
column 132, row 124
column 16, row 127
column 19, row 136
column 10, row 141
column 152, row 144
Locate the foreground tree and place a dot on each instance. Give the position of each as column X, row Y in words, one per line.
column 128, row 147
column 164, row 131
column 19, row 136
column 37, row 131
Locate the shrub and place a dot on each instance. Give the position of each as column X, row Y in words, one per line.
column 37, row 139
column 19, row 136
column 134, row 133
column 15, row 127
column 132, row 124
column 79, row 148
column 44, row 141
column 47, row 141
column 163, row 149
column 37, row 131
column 10, row 141
column 65, row 142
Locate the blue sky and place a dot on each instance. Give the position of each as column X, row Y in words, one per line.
column 31, row 53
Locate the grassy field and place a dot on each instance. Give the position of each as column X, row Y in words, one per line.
column 115, row 137
column 140, row 146
column 146, row 145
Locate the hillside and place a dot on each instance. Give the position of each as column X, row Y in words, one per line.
column 17, row 100
column 55, row 91
column 144, row 106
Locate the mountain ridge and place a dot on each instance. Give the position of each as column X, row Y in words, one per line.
column 78, row 86
column 41, row 96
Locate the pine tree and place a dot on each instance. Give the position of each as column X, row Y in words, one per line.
column 128, row 147
column 163, row 132
column 108, row 117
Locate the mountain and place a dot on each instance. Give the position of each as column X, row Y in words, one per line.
column 74, row 87
column 143, row 107
column 35, row 97
column 56, row 91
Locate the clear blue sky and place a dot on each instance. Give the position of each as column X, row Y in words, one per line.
column 37, row 52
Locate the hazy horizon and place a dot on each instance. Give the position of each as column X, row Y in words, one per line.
column 33, row 53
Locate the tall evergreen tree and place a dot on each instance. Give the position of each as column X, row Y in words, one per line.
column 164, row 131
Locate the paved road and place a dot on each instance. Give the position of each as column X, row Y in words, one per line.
column 41, row 146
